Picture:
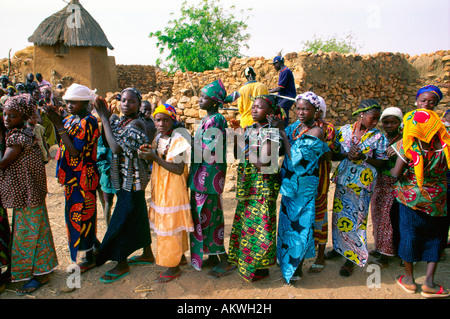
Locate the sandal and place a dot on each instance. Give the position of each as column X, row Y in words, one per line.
column 438, row 294
column 316, row 269
column 218, row 272
column 33, row 285
column 398, row 280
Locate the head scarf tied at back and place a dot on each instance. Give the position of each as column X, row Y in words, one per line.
column 166, row 109
column 216, row 91
column 22, row 103
column 311, row 97
column 272, row 100
column 367, row 105
column 135, row 91
column 430, row 88
column 423, row 125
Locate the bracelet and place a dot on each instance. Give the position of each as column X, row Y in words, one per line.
column 367, row 157
column 62, row 131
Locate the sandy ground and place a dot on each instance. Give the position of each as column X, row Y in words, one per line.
column 192, row 284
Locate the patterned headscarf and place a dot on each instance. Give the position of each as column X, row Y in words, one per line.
column 367, row 105
column 423, row 125
column 216, row 91
column 430, row 88
column 135, row 91
column 272, row 100
column 323, row 106
column 22, row 103
column 311, row 97
column 166, row 109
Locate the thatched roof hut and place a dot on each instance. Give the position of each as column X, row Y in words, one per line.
column 59, row 28
column 71, row 47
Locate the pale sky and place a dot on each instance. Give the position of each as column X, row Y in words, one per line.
column 406, row 26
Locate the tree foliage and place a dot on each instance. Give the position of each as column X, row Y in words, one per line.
column 345, row 44
column 204, row 37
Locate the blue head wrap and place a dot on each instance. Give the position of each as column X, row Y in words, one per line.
column 430, row 88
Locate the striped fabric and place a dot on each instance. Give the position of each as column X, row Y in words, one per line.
column 422, row 237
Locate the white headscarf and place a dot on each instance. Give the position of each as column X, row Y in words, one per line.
column 77, row 92
column 323, row 106
column 394, row 111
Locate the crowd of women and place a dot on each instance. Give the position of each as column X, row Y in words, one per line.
column 399, row 175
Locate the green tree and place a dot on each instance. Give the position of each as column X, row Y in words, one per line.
column 204, row 37
column 334, row 43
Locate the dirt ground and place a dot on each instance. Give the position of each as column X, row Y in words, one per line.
column 192, row 284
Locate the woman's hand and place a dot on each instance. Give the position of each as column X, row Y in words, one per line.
column 147, row 153
column 353, row 153
column 275, row 121
column 102, row 108
column 234, row 124
column 53, row 114
column 390, row 152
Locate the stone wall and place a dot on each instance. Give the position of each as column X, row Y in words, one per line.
column 343, row 80
column 141, row 77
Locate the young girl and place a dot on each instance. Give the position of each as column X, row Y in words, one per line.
column 304, row 143
column 39, row 130
column 422, row 163
column 361, row 148
column 206, row 181
column 253, row 236
column 383, row 206
column 128, row 229
column 77, row 170
column 47, row 101
column 170, row 211
column 23, row 188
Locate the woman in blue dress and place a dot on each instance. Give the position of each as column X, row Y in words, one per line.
column 304, row 142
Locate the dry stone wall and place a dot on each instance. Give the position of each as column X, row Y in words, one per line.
column 343, row 80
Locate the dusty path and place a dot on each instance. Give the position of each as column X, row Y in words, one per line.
column 194, row 284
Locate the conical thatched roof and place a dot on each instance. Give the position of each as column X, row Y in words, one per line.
column 56, row 28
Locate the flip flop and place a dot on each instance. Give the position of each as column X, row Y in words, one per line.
column 440, row 294
column 115, row 277
column 316, row 269
column 398, row 280
column 134, row 261
column 32, row 283
column 161, row 276
column 86, row 268
column 220, row 272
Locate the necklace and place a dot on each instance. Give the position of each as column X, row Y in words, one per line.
column 356, row 140
column 124, row 122
column 296, row 136
column 393, row 140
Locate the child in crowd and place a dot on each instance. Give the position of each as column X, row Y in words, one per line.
column 383, row 206
column 23, row 188
column 128, row 229
column 206, row 181
column 170, row 211
column 77, row 170
column 304, row 143
column 253, row 236
column 46, row 101
column 39, row 131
